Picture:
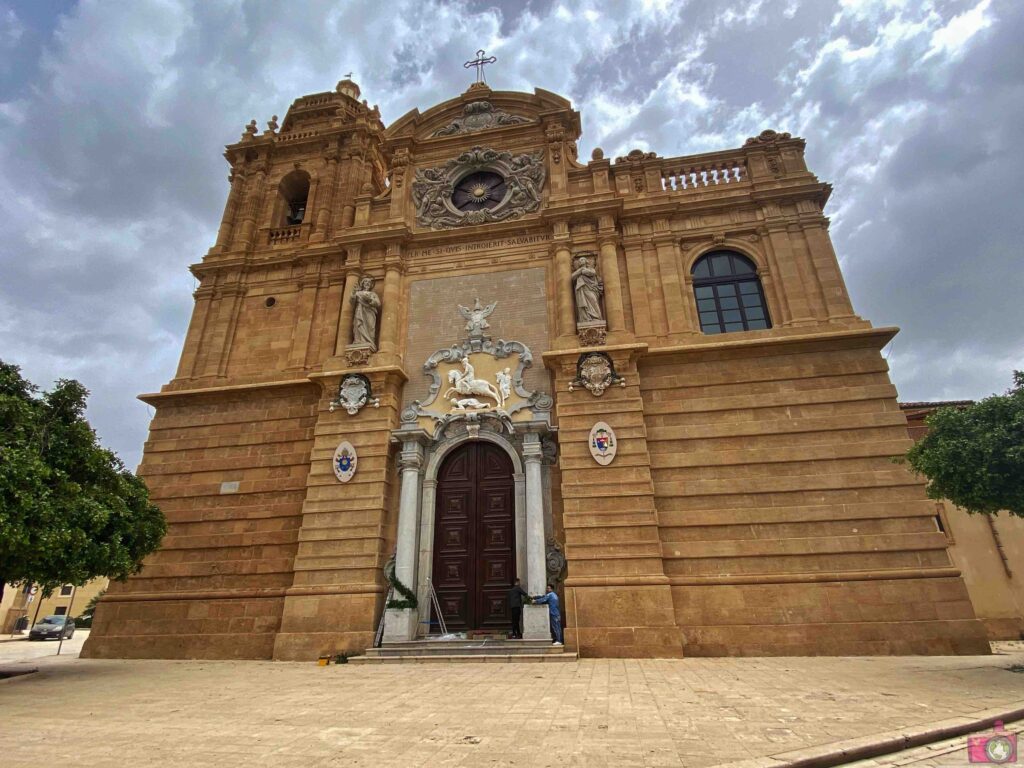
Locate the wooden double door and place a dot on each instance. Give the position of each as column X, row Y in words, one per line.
column 474, row 537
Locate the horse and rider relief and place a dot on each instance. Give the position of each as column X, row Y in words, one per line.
column 468, row 393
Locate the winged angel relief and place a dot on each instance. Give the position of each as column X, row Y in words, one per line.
column 476, row 318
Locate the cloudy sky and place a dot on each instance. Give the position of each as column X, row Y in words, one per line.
column 113, row 116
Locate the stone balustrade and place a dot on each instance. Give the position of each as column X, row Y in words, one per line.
column 284, row 235
column 676, row 178
column 295, row 135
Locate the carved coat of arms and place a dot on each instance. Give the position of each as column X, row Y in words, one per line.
column 595, row 373
column 353, row 394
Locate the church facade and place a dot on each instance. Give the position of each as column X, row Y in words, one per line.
column 433, row 357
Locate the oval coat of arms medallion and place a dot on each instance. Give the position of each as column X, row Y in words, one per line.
column 345, row 461
column 603, row 444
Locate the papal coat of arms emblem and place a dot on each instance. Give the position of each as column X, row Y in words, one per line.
column 345, row 462
column 603, row 444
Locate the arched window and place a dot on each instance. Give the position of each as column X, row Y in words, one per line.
column 729, row 294
column 293, row 192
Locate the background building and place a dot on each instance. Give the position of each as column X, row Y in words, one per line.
column 20, row 600
column 988, row 550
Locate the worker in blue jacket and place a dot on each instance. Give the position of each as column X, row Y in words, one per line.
column 553, row 614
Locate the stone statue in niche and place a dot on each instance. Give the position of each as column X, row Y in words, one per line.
column 588, row 289
column 366, row 305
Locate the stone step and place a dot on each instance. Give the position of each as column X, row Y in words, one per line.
column 492, row 658
column 489, row 644
column 444, row 649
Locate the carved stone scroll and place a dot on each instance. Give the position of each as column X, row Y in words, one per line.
column 432, row 188
column 479, row 116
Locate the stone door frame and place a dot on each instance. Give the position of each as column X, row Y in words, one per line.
column 419, row 461
column 428, row 508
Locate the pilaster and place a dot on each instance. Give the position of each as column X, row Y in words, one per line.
column 348, row 529
column 612, row 541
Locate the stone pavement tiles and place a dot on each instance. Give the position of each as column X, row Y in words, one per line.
column 598, row 712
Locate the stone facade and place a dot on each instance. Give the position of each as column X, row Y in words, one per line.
column 751, row 507
column 989, row 550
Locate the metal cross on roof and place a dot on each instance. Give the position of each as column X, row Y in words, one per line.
column 479, row 62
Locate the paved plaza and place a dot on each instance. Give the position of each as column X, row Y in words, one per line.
column 597, row 712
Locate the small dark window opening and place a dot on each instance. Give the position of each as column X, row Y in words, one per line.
column 66, row 590
column 296, row 212
column 729, row 294
column 271, row 301
column 294, row 193
column 938, row 523
column 60, row 610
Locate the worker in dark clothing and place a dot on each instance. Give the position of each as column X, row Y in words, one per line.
column 516, row 595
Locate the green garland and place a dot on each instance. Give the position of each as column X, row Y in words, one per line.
column 409, row 596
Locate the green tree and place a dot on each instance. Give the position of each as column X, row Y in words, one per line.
column 69, row 510
column 974, row 455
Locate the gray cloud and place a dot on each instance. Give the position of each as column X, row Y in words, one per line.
column 113, row 116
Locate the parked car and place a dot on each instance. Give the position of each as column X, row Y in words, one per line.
column 52, row 627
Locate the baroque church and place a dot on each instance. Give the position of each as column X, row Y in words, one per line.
column 429, row 358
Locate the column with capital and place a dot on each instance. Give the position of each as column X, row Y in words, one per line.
column 566, row 320
column 243, row 234
column 535, row 617
column 390, row 300
column 344, row 337
column 400, row 623
column 671, row 281
column 608, row 240
column 227, row 224
column 324, row 197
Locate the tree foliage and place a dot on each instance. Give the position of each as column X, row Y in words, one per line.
column 69, row 510
column 974, row 455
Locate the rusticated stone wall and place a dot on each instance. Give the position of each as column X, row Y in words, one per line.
column 215, row 588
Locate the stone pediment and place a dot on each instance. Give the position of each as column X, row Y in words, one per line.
column 466, row 115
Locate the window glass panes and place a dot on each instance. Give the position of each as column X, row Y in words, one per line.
column 728, row 293
column 741, row 266
column 720, row 266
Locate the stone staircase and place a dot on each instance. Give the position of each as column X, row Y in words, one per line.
column 481, row 649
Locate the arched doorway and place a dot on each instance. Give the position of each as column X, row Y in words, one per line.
column 474, row 537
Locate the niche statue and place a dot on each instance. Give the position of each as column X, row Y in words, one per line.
column 588, row 288
column 366, row 305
